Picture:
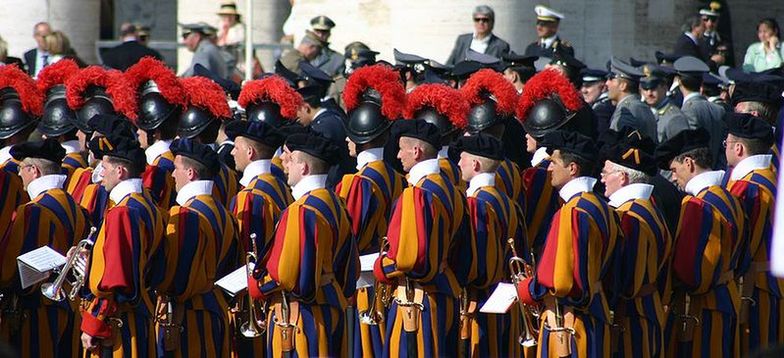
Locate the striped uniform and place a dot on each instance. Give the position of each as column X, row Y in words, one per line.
column 277, row 168
column 578, row 254
column 314, row 262
column 127, row 262
column 710, row 229
column 646, row 250
column 369, row 195
column 73, row 161
column 494, row 218
column 257, row 208
column 10, row 165
column 452, row 172
column 764, row 321
column 47, row 328
column 158, row 181
column 227, row 185
column 509, row 180
column 13, row 195
column 201, row 247
column 541, row 203
column 91, row 196
column 425, row 227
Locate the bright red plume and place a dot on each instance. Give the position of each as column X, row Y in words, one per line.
column 122, row 95
column 385, row 81
column 547, row 84
column 32, row 99
column 494, row 83
column 151, row 69
column 444, row 99
column 272, row 89
column 207, row 95
column 56, row 74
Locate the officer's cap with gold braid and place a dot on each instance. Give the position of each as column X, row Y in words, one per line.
column 631, row 149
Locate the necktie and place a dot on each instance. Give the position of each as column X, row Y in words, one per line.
column 45, row 58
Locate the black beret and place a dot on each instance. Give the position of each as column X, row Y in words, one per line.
column 481, row 145
column 261, row 132
column 49, row 149
column 419, row 129
column 682, row 142
column 108, row 124
column 748, row 126
column 593, row 75
column 570, row 142
column 120, row 147
column 315, row 145
column 631, row 149
column 196, row 151
column 311, row 92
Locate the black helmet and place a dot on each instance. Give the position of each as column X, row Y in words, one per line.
column 267, row 112
column 98, row 102
column 366, row 122
column 154, row 109
column 491, row 97
column 439, row 105
column 546, row 115
column 58, row 118
column 483, row 116
column 193, row 121
column 430, row 115
column 13, row 118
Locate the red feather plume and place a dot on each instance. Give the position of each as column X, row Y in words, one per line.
column 546, row 84
column 207, row 95
column 56, row 74
column 385, row 81
column 489, row 81
column 272, row 89
column 151, row 69
column 32, row 100
column 122, row 95
column 444, row 99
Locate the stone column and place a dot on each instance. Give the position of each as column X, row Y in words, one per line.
column 79, row 20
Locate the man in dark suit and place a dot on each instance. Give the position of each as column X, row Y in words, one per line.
column 690, row 41
column 547, row 21
column 38, row 57
column 482, row 40
column 129, row 52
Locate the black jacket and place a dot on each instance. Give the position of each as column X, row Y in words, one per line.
column 495, row 47
column 684, row 46
column 128, row 53
column 535, row 49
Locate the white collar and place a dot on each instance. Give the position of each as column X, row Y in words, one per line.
column 319, row 112
column 483, row 40
column 254, row 169
column 539, row 155
column 369, row 155
column 308, row 183
column 71, row 146
column 630, row 192
column 125, row 188
column 576, row 186
column 422, row 169
column 759, row 161
column 194, row 188
column 689, row 96
column 213, row 146
column 692, row 37
column 157, row 149
column 5, row 154
column 548, row 41
column 703, row 180
column 478, row 181
column 444, row 152
column 44, row 183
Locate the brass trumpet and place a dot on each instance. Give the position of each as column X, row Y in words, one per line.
column 373, row 316
column 254, row 326
column 76, row 266
column 520, row 270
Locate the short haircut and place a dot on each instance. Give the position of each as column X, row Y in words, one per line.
column 317, row 166
column 488, row 165
column 632, row 87
column 46, row 166
column 429, row 150
column 756, row 146
column 701, row 156
column 586, row 166
column 202, row 171
column 264, row 151
column 763, row 110
column 485, row 10
column 127, row 29
column 134, row 171
column 635, row 176
column 691, row 22
column 691, row 83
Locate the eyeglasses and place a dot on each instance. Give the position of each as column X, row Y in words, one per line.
column 709, row 19
column 725, row 142
column 604, row 174
column 185, row 35
column 482, row 19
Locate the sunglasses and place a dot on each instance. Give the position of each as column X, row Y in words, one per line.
column 482, row 19
column 709, row 19
column 185, row 35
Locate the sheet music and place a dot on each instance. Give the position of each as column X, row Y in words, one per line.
column 36, row 266
column 235, row 282
column 501, row 299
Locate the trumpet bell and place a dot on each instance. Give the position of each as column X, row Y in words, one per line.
column 367, row 319
column 249, row 331
column 52, row 292
column 526, row 342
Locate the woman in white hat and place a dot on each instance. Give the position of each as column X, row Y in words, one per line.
column 231, row 32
